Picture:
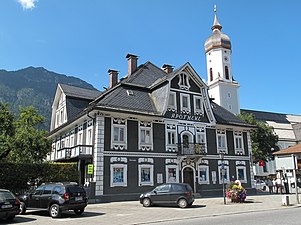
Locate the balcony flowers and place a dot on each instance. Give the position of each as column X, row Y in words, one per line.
column 236, row 192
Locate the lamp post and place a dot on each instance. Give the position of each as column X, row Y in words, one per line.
column 222, row 154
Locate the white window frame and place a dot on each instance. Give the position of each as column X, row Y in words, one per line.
column 223, row 135
column 118, row 184
column 151, row 169
column 238, row 136
column 148, row 146
column 172, row 95
column 245, row 173
column 124, row 133
column 89, row 136
column 201, row 110
column 173, row 135
column 184, row 81
column 145, row 130
column 167, row 174
column 188, row 108
column 201, row 167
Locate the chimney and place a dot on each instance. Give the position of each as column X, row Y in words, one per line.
column 167, row 68
column 113, row 77
column 132, row 63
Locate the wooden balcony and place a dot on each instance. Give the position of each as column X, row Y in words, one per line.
column 191, row 149
column 74, row 153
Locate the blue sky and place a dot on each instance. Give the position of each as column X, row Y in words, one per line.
column 85, row 38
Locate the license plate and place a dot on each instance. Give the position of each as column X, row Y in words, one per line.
column 6, row 206
column 78, row 198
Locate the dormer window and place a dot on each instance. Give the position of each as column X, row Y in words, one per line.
column 184, row 81
column 172, row 101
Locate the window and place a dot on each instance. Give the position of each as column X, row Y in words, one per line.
column 172, row 100
column 227, row 72
column 118, row 175
column 198, row 105
column 203, row 174
column 241, row 174
column 47, row 190
column 172, row 175
column 200, row 138
column 146, row 174
column 185, row 102
column 89, row 137
column 171, row 137
column 145, row 136
column 80, row 135
column 221, row 140
column 223, row 171
column 211, row 74
column 118, row 134
column 238, row 143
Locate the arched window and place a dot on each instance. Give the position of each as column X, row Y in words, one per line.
column 227, row 72
column 211, row 75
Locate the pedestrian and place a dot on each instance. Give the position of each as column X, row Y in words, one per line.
column 278, row 186
column 285, row 184
column 274, row 184
column 270, row 185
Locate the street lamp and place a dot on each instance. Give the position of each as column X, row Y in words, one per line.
column 222, row 154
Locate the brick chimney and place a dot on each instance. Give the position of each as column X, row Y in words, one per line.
column 113, row 77
column 132, row 63
column 167, row 68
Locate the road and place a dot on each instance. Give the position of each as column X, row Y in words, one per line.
column 260, row 209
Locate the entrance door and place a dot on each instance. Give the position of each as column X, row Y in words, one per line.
column 188, row 176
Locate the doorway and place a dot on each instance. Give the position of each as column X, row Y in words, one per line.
column 188, row 177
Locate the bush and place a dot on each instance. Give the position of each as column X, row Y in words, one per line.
column 19, row 177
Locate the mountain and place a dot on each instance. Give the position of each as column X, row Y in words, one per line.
column 36, row 87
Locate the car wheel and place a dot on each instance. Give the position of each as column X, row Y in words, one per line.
column 146, row 202
column 54, row 211
column 182, row 203
column 79, row 211
column 22, row 208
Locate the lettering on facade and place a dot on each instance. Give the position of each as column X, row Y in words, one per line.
column 185, row 117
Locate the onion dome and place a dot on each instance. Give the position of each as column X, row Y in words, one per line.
column 217, row 38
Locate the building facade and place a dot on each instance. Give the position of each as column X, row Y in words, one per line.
column 156, row 125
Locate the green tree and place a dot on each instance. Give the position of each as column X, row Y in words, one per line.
column 7, row 130
column 29, row 144
column 263, row 138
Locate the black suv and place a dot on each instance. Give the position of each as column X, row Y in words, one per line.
column 56, row 197
column 173, row 193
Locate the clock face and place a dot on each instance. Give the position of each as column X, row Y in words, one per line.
column 226, row 59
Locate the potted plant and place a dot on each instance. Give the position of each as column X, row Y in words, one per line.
column 236, row 192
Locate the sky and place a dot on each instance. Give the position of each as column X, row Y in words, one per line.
column 85, row 38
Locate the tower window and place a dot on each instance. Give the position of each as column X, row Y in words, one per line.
column 227, row 72
column 211, row 75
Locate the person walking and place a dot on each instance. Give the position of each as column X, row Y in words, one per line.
column 278, row 185
column 270, row 185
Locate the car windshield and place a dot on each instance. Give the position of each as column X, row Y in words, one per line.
column 6, row 195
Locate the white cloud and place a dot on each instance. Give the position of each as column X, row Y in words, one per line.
column 27, row 4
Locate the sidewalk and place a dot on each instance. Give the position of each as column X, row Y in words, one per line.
column 132, row 212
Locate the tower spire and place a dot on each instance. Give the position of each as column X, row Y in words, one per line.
column 216, row 24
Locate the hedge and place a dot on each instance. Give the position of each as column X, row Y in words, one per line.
column 16, row 176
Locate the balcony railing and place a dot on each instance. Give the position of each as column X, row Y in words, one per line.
column 192, row 149
column 73, row 152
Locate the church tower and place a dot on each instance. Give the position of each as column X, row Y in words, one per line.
column 222, row 86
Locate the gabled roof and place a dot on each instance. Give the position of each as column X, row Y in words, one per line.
column 291, row 150
column 151, row 74
column 223, row 116
column 77, row 92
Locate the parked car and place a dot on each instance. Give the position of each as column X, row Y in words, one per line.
column 9, row 205
column 173, row 193
column 56, row 197
column 260, row 185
